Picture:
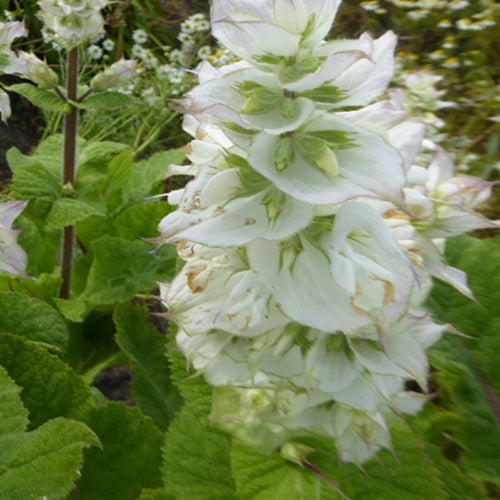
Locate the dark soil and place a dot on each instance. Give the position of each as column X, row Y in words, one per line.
column 23, row 130
column 114, row 383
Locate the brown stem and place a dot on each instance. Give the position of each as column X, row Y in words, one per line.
column 69, row 168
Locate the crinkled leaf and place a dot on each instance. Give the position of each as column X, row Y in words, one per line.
column 41, row 245
column 123, row 268
column 73, row 309
column 260, row 475
column 16, row 159
column 119, row 171
column 156, row 494
column 50, row 387
column 141, row 221
column 196, row 462
column 149, row 172
column 68, row 211
column 37, row 184
column 152, row 388
column 33, row 319
column 46, row 99
column 193, row 387
column 130, row 457
column 45, row 462
column 13, row 415
column 466, row 367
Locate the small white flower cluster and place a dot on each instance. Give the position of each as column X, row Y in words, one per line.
column 310, row 235
column 69, row 23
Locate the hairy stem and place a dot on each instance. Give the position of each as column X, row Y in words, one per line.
column 69, row 168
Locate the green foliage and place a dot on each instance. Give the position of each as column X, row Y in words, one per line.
column 50, row 456
column 152, row 389
column 465, row 367
column 197, row 461
column 43, row 324
column 50, row 387
column 105, row 101
column 122, row 268
column 130, row 457
column 45, row 99
column 68, row 211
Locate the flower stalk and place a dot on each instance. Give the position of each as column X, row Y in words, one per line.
column 69, row 168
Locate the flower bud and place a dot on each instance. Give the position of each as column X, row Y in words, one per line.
column 117, row 73
column 38, row 71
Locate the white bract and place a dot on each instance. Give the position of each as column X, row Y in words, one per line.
column 12, row 256
column 309, row 233
column 71, row 22
column 9, row 62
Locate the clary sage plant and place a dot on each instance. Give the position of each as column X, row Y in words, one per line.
column 309, row 233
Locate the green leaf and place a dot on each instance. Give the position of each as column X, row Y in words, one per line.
column 37, row 184
column 33, row 319
column 50, row 388
column 141, row 221
column 45, row 462
column 193, row 388
column 156, row 494
column 106, row 101
column 118, row 174
column 41, row 245
column 130, row 458
column 16, row 159
column 123, row 268
column 68, row 211
column 13, row 415
column 73, row 309
column 151, row 387
column 465, row 367
column 46, row 99
column 260, row 475
column 98, row 153
column 149, row 172
column 197, row 461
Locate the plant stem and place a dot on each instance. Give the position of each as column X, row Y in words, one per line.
column 69, row 168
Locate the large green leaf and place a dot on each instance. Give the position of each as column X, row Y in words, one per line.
column 44, row 463
column 467, row 368
column 46, row 99
column 13, row 415
column 69, row 211
column 122, row 268
column 141, row 221
column 130, row 458
column 33, row 319
column 50, row 388
column 194, row 389
column 197, row 462
column 262, row 475
column 149, row 172
column 119, row 172
column 41, row 245
column 152, row 389
column 37, row 184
